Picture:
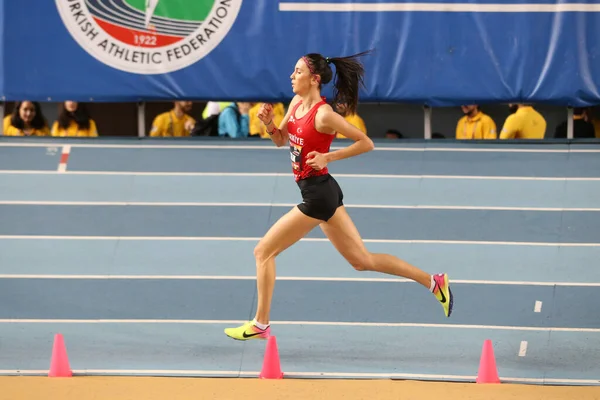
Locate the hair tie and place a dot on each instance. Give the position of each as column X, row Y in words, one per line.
column 327, row 60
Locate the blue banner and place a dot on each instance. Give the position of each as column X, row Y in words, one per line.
column 2, row 55
column 441, row 54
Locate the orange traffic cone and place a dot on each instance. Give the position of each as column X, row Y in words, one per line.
column 271, row 368
column 59, row 364
column 488, row 372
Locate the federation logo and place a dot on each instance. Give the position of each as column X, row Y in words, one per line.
column 148, row 36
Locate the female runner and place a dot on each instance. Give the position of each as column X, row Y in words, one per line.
column 309, row 127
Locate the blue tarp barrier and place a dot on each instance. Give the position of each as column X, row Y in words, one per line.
column 442, row 54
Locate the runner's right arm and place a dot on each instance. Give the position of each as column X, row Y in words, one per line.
column 279, row 136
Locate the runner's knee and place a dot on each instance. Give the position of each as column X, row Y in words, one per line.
column 361, row 261
column 262, row 253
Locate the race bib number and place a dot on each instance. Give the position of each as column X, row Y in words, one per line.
column 295, row 155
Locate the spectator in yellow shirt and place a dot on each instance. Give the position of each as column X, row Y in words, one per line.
column 257, row 128
column 26, row 120
column 524, row 123
column 353, row 119
column 6, row 123
column 74, row 120
column 475, row 125
column 174, row 123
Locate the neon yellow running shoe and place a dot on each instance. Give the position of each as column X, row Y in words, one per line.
column 248, row 331
column 443, row 293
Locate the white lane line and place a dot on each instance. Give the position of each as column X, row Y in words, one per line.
column 283, row 174
column 303, row 374
column 258, row 204
column 289, row 278
column 311, row 323
column 256, row 239
column 188, row 146
column 523, row 349
column 537, row 307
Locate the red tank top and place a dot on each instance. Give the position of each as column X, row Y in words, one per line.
column 305, row 138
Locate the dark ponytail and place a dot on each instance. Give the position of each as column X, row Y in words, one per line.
column 349, row 75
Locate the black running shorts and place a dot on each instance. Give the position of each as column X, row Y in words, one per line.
column 321, row 196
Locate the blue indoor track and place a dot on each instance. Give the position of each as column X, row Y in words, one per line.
column 141, row 252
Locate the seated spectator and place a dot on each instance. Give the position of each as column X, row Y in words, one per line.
column 234, row 121
column 257, row 128
column 353, row 119
column 475, row 125
column 393, row 134
column 524, row 123
column 593, row 119
column 26, row 120
column 582, row 129
column 74, row 120
column 174, row 123
column 214, row 108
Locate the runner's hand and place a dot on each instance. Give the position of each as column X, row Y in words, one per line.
column 265, row 113
column 316, row 160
